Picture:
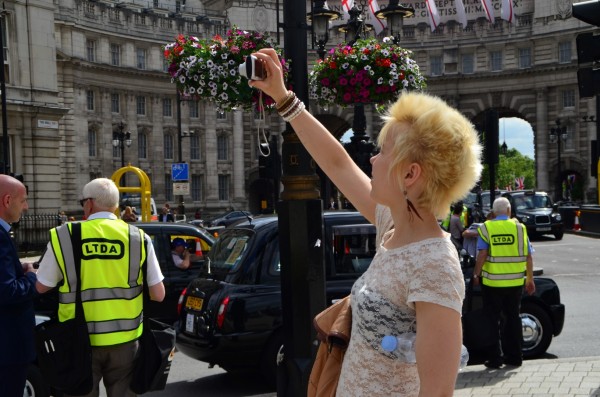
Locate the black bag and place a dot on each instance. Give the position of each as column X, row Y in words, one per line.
column 64, row 353
column 155, row 354
column 479, row 329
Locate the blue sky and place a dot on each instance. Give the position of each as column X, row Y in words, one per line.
column 518, row 134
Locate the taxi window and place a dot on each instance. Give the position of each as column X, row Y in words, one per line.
column 197, row 246
column 229, row 249
column 353, row 248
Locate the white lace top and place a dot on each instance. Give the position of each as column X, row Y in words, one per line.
column 383, row 304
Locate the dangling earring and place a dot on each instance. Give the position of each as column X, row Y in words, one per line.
column 410, row 208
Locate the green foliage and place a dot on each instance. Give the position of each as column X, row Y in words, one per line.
column 511, row 165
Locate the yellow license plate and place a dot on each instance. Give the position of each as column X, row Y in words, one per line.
column 194, row 303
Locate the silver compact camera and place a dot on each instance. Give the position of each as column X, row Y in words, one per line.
column 253, row 69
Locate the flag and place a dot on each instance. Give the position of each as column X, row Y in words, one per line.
column 507, row 12
column 489, row 9
column 460, row 13
column 347, row 6
column 434, row 16
column 378, row 24
column 520, row 183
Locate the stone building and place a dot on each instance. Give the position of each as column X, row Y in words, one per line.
column 79, row 71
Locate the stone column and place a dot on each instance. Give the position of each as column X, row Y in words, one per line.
column 238, row 179
column 212, row 179
column 542, row 141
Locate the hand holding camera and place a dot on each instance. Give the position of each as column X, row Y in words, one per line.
column 253, row 68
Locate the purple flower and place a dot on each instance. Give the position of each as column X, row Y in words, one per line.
column 325, row 81
column 343, row 81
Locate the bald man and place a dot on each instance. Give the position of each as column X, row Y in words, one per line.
column 17, row 291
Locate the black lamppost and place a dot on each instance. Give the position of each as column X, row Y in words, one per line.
column 558, row 134
column 395, row 14
column 120, row 139
column 320, row 17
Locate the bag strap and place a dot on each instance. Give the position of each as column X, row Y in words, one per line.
column 77, row 254
column 146, row 299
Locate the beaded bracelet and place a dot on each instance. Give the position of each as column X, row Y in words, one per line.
column 291, row 108
column 283, row 105
column 295, row 110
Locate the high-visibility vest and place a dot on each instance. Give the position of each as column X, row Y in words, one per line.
column 463, row 219
column 111, row 279
column 506, row 262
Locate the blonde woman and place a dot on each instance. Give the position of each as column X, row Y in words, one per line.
column 429, row 157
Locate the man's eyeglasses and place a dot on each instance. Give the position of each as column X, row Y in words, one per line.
column 82, row 201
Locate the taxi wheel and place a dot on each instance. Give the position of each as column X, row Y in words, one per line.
column 270, row 357
column 35, row 385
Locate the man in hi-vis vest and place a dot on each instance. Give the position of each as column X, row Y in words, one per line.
column 112, row 255
column 503, row 266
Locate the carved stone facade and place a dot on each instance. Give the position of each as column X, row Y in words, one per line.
column 76, row 69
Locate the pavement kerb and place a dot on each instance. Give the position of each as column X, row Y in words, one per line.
column 560, row 377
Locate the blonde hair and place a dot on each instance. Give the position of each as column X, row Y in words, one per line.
column 441, row 140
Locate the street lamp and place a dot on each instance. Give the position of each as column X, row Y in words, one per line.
column 557, row 134
column 395, row 15
column 180, row 135
column 320, row 17
column 120, row 139
column 359, row 147
column 5, row 150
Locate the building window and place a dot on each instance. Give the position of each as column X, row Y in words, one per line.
column 142, row 145
column 92, row 143
column 468, row 64
column 564, row 52
column 89, row 94
column 167, row 107
column 193, row 106
column 115, row 54
column 195, row 147
column 524, row 58
column 568, row 98
column 141, row 58
column 168, row 187
column 166, row 64
column 168, row 146
column 141, row 105
column 90, row 46
column 437, row 65
column 221, row 115
column 496, row 61
column 196, row 187
column 222, row 147
column 115, row 103
column 223, row 187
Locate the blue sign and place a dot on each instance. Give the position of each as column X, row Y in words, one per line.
column 180, row 172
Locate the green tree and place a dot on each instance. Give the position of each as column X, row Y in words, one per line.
column 510, row 166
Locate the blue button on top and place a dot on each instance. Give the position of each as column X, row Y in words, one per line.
column 389, row 343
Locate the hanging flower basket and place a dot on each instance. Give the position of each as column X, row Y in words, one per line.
column 208, row 69
column 367, row 72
